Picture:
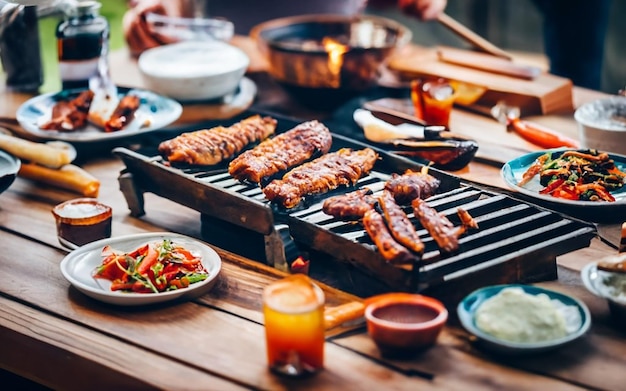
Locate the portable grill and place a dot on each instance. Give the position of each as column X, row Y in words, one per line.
column 515, row 242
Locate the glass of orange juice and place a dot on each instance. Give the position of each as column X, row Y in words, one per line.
column 294, row 325
column 433, row 100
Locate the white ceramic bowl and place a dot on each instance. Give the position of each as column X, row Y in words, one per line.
column 193, row 70
column 602, row 124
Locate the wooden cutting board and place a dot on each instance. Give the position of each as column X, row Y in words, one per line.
column 534, row 92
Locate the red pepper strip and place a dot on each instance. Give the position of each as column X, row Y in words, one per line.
column 567, row 192
column 552, row 186
column 540, row 135
column 148, row 261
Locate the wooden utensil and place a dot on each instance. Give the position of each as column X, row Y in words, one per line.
column 471, row 37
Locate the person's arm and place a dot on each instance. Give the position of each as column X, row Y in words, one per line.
column 423, row 9
column 137, row 33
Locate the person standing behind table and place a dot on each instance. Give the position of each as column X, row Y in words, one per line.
column 247, row 13
column 573, row 34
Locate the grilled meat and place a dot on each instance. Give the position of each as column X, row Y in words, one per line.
column 350, row 206
column 70, row 115
column 344, row 167
column 392, row 251
column 211, row 146
column 399, row 224
column 411, row 185
column 440, row 227
column 286, row 150
column 123, row 113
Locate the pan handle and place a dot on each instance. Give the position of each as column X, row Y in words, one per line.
column 471, row 37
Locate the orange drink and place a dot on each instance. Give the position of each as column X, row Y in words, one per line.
column 433, row 101
column 294, row 325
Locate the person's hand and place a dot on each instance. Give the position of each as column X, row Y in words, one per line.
column 138, row 34
column 423, row 9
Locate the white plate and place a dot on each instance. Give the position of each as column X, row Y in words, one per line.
column 596, row 282
column 78, row 266
column 154, row 110
column 466, row 311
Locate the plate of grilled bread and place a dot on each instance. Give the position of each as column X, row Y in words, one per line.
column 87, row 116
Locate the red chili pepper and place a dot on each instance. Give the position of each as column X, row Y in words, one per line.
column 552, row 186
column 540, row 135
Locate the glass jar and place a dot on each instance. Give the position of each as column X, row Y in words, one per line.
column 83, row 46
column 20, row 49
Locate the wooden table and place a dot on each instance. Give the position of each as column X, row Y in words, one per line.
column 52, row 334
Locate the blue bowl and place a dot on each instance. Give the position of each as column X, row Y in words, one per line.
column 466, row 311
column 9, row 166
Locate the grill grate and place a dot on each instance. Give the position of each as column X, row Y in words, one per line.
column 515, row 242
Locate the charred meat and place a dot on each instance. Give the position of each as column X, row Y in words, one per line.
column 70, row 115
column 211, row 146
column 123, row 113
column 399, row 224
column 411, row 185
column 344, row 167
column 350, row 206
column 392, row 251
column 445, row 234
column 278, row 154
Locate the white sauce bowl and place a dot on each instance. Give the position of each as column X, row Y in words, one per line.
column 602, row 124
column 193, row 70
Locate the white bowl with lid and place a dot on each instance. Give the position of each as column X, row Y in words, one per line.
column 193, row 70
column 602, row 124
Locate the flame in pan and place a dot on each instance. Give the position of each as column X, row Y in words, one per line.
column 335, row 50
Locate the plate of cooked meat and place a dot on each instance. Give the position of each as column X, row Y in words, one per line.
column 87, row 116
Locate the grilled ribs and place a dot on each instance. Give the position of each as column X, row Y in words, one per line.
column 350, row 206
column 344, row 167
column 278, row 154
column 392, row 251
column 411, row 185
column 399, row 224
column 211, row 146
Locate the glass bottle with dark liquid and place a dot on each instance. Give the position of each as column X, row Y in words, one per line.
column 82, row 43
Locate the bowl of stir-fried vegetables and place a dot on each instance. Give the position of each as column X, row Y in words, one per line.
column 573, row 179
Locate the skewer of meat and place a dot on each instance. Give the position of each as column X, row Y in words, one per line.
column 392, row 251
column 411, row 185
column 445, row 234
column 278, row 154
column 399, row 224
column 344, row 167
column 211, row 146
column 350, row 206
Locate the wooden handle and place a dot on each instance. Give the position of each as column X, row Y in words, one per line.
column 487, row 63
column 471, row 36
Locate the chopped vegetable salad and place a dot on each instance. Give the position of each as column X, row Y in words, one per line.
column 151, row 268
column 577, row 175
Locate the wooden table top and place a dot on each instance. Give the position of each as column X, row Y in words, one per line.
column 52, row 334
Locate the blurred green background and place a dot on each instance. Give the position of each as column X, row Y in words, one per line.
column 113, row 10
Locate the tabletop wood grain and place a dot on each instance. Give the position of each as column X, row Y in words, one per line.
column 54, row 335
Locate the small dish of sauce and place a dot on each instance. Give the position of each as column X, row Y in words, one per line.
column 81, row 221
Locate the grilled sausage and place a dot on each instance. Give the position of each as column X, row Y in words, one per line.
column 392, row 251
column 399, row 224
